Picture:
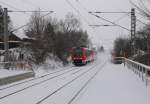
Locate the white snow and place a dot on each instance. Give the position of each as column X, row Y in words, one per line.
column 6, row 73
column 114, row 84
column 48, row 67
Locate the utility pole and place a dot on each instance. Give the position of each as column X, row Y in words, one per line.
column 133, row 31
column 6, row 45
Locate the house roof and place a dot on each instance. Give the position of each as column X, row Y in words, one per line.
column 12, row 37
column 14, row 41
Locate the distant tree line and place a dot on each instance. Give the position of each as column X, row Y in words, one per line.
column 53, row 36
column 122, row 47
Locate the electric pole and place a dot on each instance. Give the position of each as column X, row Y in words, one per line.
column 6, row 45
column 133, row 31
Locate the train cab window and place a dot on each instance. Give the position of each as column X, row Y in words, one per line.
column 77, row 52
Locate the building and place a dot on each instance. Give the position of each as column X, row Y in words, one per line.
column 14, row 41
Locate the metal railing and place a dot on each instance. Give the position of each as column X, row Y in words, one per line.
column 143, row 71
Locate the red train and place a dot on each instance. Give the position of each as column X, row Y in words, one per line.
column 81, row 55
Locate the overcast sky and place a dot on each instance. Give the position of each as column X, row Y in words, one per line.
column 99, row 35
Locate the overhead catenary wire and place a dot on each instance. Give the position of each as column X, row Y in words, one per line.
column 25, row 11
column 30, row 3
column 17, row 9
column 126, row 13
column 122, row 17
column 108, row 12
column 9, row 5
column 101, row 25
column 28, row 23
column 87, row 12
column 102, row 18
column 78, row 12
column 104, row 12
column 141, row 12
column 87, row 22
column 117, row 20
column 142, row 22
column 33, row 4
column 92, row 26
column 139, row 20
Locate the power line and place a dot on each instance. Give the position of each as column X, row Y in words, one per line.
column 101, row 25
column 123, row 16
column 108, row 12
column 83, row 8
column 28, row 11
column 117, row 20
column 103, row 12
column 82, row 5
column 13, row 7
column 139, row 20
column 110, row 21
column 78, row 12
column 92, row 26
column 22, row 11
column 121, row 12
column 142, row 22
column 28, row 23
column 31, row 3
column 9, row 5
column 86, row 21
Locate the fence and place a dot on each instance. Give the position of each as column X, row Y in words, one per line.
column 16, row 65
column 143, row 71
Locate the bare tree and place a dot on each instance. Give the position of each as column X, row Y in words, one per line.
column 142, row 8
column 56, row 37
column 71, row 23
column 41, row 32
column 122, row 46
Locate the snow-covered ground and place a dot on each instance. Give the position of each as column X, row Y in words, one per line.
column 6, row 73
column 114, row 84
column 49, row 66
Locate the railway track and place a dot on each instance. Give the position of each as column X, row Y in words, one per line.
column 85, row 85
column 70, row 75
column 73, row 70
column 39, row 77
column 69, row 82
column 35, row 84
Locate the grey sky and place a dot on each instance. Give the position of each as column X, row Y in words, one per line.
column 99, row 35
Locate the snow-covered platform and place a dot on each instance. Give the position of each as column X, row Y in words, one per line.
column 10, row 76
column 7, row 73
column 115, row 84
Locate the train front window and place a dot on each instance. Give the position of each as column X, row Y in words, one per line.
column 77, row 52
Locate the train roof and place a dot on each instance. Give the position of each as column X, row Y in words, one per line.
column 82, row 47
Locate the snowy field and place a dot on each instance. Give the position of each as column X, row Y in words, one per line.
column 114, row 84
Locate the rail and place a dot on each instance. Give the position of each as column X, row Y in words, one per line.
column 143, row 71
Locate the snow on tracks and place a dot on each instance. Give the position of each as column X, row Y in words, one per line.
column 24, row 88
column 74, row 87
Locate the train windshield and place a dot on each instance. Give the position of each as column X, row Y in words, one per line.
column 77, row 52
